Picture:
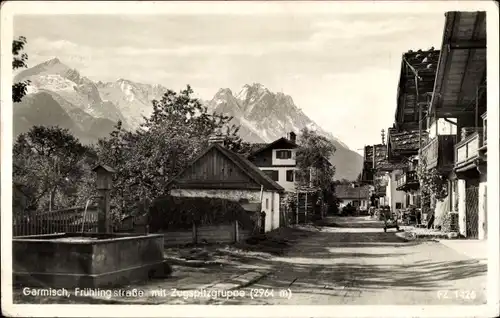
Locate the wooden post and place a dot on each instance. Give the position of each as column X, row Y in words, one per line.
column 104, row 185
column 195, row 234
column 482, row 219
column 297, row 210
column 236, row 231
column 305, row 210
column 462, row 206
column 417, row 99
column 373, row 158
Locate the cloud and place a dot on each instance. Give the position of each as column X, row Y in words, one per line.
column 356, row 29
column 341, row 69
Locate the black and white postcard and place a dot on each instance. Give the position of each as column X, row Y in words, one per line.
column 250, row 158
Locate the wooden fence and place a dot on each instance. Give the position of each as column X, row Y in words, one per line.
column 75, row 219
column 223, row 233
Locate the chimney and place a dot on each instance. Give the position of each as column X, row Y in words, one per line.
column 216, row 138
column 291, row 136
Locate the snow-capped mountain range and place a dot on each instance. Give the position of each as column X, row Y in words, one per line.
column 265, row 114
column 60, row 95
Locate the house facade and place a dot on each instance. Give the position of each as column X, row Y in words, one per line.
column 220, row 173
column 459, row 98
column 278, row 160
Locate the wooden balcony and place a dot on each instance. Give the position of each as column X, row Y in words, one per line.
column 407, row 181
column 439, row 153
column 467, row 151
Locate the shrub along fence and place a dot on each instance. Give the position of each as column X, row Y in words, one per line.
column 191, row 220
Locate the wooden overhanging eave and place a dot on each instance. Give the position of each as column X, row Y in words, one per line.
column 452, row 42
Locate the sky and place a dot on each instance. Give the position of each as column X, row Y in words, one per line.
column 342, row 70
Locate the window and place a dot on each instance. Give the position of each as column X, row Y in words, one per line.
column 283, row 154
column 398, row 205
column 273, row 174
column 267, row 204
column 289, row 175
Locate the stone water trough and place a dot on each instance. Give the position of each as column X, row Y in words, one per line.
column 86, row 260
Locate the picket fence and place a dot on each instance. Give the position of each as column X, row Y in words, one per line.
column 75, row 219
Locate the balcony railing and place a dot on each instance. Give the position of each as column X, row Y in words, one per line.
column 439, row 152
column 467, row 150
column 406, row 180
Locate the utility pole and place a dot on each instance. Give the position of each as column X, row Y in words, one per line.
column 417, row 99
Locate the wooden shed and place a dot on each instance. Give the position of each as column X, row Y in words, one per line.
column 221, row 173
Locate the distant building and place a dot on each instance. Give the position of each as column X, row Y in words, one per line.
column 277, row 160
column 357, row 196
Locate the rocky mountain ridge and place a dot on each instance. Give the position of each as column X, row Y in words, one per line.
column 60, row 95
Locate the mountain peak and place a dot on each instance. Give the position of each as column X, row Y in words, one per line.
column 256, row 85
column 53, row 61
column 249, row 90
column 225, row 91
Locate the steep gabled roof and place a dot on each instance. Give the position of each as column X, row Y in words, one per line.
column 254, row 148
column 261, row 147
column 248, row 168
column 252, row 170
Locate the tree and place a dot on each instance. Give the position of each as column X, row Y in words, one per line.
column 359, row 178
column 313, row 167
column 343, row 181
column 312, row 160
column 47, row 164
column 147, row 159
column 19, row 89
column 431, row 181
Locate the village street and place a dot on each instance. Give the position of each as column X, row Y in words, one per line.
column 354, row 262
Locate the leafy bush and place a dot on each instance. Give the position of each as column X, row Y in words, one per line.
column 172, row 212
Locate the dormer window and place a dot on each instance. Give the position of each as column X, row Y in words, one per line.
column 283, row 154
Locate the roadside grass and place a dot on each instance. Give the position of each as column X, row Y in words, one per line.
column 278, row 241
column 273, row 243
